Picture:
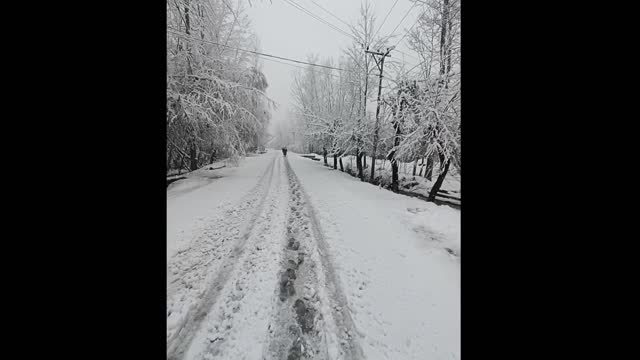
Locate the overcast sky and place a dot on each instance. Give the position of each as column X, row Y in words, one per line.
column 288, row 32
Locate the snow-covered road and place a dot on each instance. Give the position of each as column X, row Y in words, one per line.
column 283, row 258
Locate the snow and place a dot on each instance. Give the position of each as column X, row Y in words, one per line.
column 402, row 286
column 387, row 254
column 199, row 197
column 440, row 223
column 232, row 229
column 407, row 180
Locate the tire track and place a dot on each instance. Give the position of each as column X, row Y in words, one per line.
column 311, row 318
column 346, row 330
column 241, row 314
column 198, row 283
column 191, row 258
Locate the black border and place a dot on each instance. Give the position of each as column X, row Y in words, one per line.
column 95, row 230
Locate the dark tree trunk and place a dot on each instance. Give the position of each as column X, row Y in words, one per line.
column 429, row 172
column 194, row 158
column 359, row 163
column 443, row 36
column 186, row 18
column 181, row 164
column 394, row 175
column 213, row 156
column 324, row 154
column 170, row 159
column 438, row 184
column 335, row 161
column 364, row 160
column 394, row 161
column 422, row 167
column 188, row 31
column 341, row 167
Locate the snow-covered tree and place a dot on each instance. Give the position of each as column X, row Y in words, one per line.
column 433, row 124
column 216, row 105
column 420, row 112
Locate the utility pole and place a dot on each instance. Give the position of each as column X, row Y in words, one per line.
column 380, row 65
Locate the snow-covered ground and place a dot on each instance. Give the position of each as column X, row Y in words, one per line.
column 415, row 184
column 191, row 203
column 286, row 258
column 403, row 286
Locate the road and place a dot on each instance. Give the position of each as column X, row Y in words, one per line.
column 282, row 270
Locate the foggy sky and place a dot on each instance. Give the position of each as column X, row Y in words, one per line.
column 288, row 32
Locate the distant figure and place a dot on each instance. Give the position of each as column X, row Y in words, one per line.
column 284, row 151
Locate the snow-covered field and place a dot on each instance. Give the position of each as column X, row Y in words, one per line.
column 285, row 258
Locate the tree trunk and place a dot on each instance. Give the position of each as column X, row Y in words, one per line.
column 375, row 143
column 213, row 156
column 194, row 158
column 394, row 168
column 449, row 38
column 394, row 175
column 324, row 154
column 443, row 36
column 422, row 166
column 364, row 159
column 436, row 187
column 359, row 163
column 170, row 158
column 394, row 161
column 335, row 161
column 429, row 171
column 182, row 160
column 188, row 31
column 186, row 18
column 341, row 167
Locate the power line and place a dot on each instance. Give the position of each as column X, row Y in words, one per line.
column 330, row 13
column 404, row 53
column 407, row 32
column 304, row 68
column 380, row 27
column 408, row 71
column 394, row 30
column 385, row 19
column 301, row 8
column 255, row 52
column 307, row 12
column 405, row 15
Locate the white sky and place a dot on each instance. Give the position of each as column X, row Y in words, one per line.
column 288, row 32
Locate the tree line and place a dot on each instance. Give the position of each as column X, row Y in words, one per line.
column 419, row 108
column 216, row 102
